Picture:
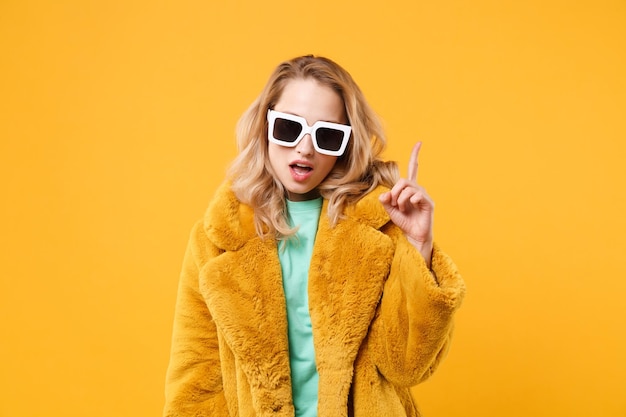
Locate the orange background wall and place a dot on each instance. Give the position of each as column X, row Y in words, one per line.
column 116, row 125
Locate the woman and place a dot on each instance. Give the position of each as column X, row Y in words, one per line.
column 312, row 287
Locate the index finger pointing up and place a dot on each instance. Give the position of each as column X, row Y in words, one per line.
column 413, row 162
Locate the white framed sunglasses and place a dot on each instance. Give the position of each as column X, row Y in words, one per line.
column 288, row 130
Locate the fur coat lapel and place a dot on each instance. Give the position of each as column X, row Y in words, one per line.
column 244, row 293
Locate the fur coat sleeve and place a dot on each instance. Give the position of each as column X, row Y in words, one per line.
column 193, row 380
column 381, row 320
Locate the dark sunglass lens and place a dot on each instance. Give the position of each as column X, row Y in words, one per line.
column 286, row 130
column 329, row 139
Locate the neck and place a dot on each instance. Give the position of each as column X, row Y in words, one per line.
column 311, row 195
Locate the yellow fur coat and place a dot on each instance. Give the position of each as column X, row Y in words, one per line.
column 381, row 323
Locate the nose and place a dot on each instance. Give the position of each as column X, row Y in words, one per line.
column 305, row 147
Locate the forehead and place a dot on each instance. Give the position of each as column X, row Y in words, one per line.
column 312, row 100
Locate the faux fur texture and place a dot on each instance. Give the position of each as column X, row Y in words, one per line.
column 381, row 323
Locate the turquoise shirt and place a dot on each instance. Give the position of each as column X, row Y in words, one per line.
column 295, row 259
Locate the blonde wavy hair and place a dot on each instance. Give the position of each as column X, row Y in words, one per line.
column 357, row 172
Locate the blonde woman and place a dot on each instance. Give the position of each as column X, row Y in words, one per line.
column 312, row 286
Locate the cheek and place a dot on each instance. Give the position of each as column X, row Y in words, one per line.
column 328, row 163
column 273, row 154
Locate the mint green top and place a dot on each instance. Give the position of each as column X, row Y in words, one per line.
column 295, row 258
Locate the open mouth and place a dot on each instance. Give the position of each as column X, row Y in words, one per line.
column 301, row 169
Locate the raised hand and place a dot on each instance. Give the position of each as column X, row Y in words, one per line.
column 411, row 209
